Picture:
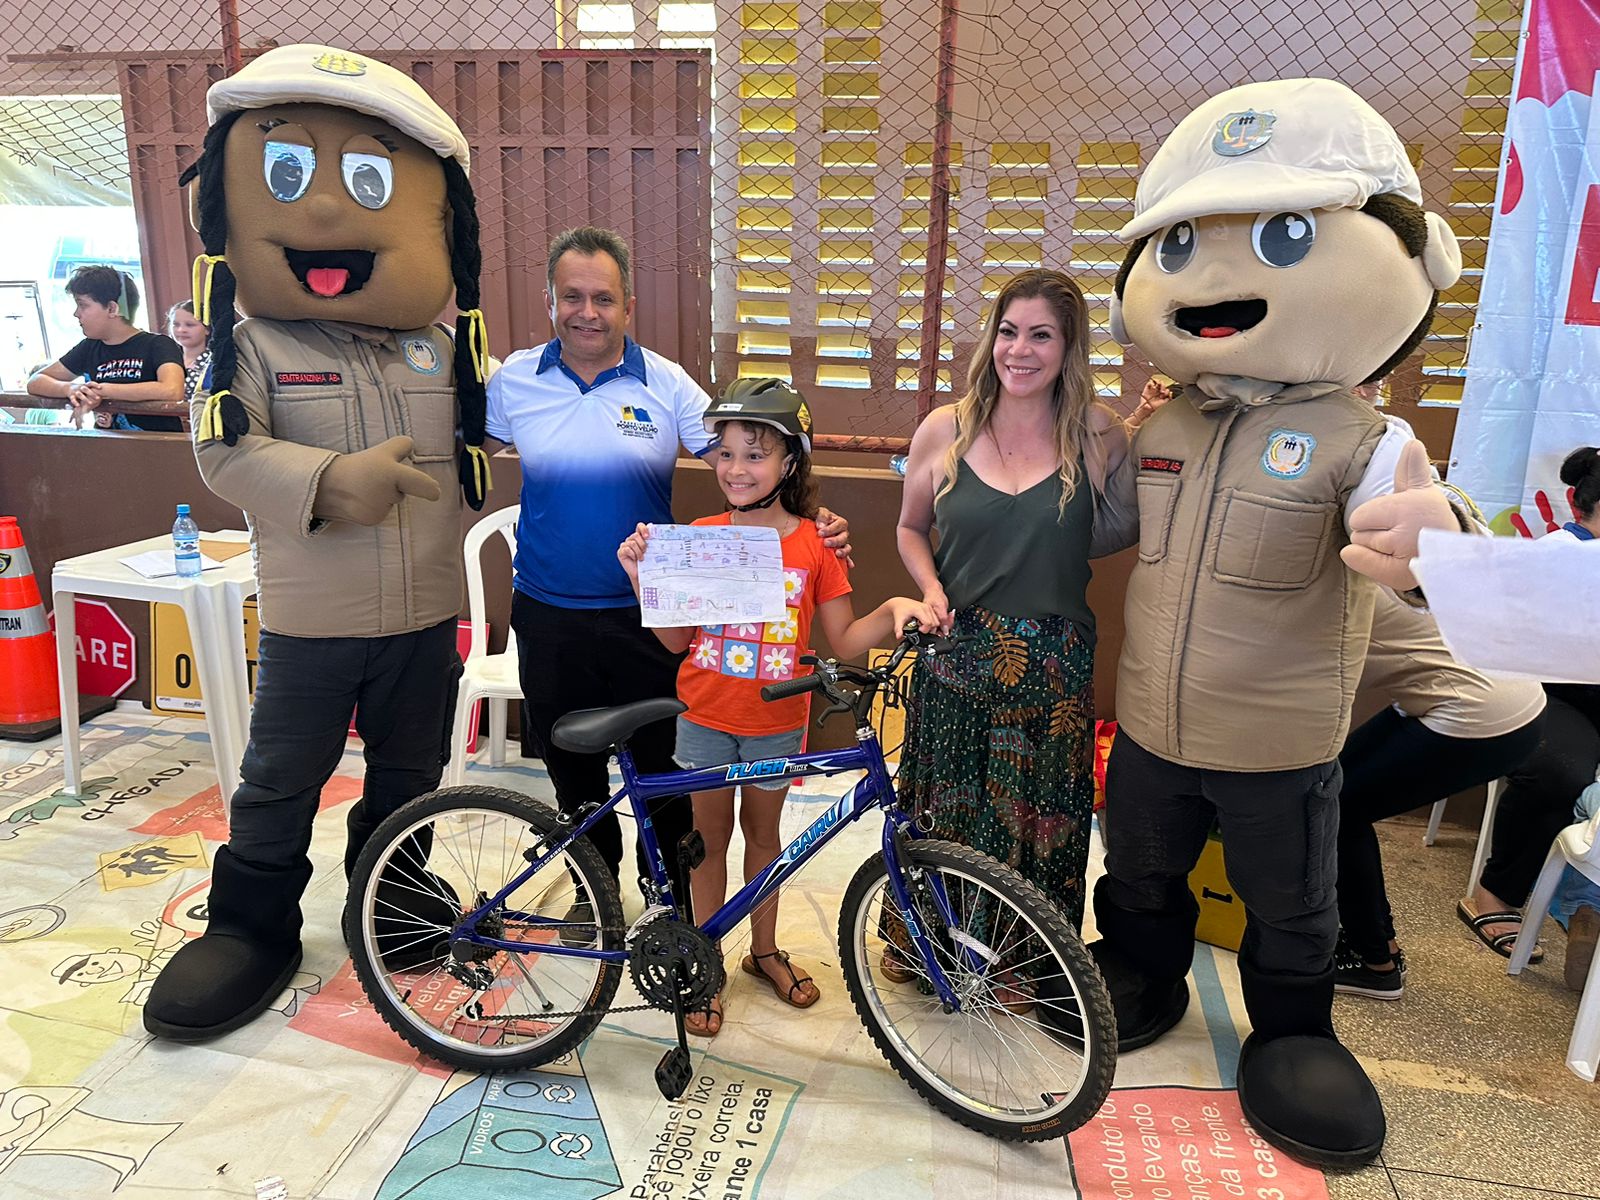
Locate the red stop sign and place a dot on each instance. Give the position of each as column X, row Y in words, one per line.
column 107, row 663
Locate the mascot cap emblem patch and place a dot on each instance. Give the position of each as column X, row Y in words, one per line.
column 335, row 63
column 1241, row 132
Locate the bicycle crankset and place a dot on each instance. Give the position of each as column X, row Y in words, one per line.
column 674, row 964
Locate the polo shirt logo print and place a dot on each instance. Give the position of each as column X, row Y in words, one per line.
column 636, row 422
column 755, row 650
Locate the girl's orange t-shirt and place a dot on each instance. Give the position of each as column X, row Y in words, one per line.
column 727, row 665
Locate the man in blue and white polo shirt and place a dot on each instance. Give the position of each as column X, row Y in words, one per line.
column 597, row 420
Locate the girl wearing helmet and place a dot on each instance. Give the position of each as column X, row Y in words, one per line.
column 763, row 466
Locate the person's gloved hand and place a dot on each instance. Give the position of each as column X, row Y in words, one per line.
column 363, row 487
column 1384, row 530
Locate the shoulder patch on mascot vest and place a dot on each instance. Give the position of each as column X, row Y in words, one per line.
column 422, row 355
column 1241, row 132
column 1288, row 454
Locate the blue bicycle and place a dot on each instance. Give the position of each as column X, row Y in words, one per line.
column 488, row 933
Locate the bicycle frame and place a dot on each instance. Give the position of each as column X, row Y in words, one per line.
column 874, row 791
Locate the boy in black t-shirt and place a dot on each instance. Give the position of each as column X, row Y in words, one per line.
column 116, row 359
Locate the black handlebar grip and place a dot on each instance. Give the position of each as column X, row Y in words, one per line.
column 785, row 688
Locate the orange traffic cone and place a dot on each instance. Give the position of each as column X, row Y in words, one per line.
column 30, row 705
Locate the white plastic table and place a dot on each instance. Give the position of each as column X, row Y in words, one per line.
column 213, row 607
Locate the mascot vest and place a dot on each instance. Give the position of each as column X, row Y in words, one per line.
column 334, row 389
column 1245, row 631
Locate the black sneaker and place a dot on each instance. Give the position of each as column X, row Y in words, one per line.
column 1355, row 978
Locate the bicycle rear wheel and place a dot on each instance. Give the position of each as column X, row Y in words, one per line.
column 445, row 854
column 1032, row 1049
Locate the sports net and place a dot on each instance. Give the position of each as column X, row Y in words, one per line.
column 851, row 141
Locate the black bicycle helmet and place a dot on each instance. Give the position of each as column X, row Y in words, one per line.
column 763, row 402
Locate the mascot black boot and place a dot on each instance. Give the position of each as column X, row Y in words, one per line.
column 249, row 952
column 1300, row 1088
column 1144, row 958
column 413, row 909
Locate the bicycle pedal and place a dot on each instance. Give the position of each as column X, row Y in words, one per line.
column 674, row 1072
column 691, row 850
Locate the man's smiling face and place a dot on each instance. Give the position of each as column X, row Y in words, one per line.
column 1323, row 295
column 335, row 216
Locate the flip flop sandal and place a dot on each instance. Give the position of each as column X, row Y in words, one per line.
column 711, row 1015
column 1500, row 943
column 752, row 966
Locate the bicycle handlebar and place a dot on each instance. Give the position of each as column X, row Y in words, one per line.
column 785, row 688
column 829, row 674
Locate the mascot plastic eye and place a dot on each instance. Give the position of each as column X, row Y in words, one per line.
column 1283, row 239
column 1175, row 247
column 288, row 167
column 369, row 178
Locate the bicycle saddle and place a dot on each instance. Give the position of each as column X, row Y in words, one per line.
column 593, row 730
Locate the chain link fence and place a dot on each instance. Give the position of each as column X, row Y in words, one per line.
column 877, row 167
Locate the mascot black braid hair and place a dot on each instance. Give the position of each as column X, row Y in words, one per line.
column 213, row 208
column 466, row 263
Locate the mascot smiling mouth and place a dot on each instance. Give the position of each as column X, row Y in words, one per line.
column 330, row 272
column 1221, row 320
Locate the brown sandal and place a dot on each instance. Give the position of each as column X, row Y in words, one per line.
column 894, row 967
column 709, row 1019
column 1012, row 994
column 752, row 966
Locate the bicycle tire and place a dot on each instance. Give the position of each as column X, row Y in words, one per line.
column 1074, row 992
column 579, row 872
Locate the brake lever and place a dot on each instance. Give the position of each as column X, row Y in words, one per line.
column 833, row 709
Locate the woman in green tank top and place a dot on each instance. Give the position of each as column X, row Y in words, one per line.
column 999, row 748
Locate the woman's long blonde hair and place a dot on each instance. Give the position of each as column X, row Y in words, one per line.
column 1074, row 392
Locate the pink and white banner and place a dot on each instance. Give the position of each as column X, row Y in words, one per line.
column 1533, row 369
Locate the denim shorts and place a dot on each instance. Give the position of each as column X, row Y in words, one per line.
column 700, row 747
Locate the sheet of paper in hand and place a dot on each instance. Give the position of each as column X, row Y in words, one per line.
column 711, row 575
column 1514, row 606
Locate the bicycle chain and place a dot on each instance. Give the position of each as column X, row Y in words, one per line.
column 583, row 1012
column 577, row 1012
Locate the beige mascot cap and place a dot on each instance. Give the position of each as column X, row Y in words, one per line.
column 312, row 74
column 1280, row 239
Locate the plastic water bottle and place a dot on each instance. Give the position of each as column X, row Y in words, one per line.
column 897, row 464
column 186, row 544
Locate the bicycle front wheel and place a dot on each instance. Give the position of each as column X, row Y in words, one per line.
column 1031, row 1050
column 445, row 854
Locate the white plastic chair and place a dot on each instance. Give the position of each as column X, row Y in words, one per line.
column 1578, row 845
column 1491, row 801
column 485, row 676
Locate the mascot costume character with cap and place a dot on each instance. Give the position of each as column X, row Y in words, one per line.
column 333, row 203
column 1280, row 257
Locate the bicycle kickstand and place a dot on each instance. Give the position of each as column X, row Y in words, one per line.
column 674, row 1071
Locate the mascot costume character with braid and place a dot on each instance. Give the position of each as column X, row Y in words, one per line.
column 333, row 203
column 1280, row 257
